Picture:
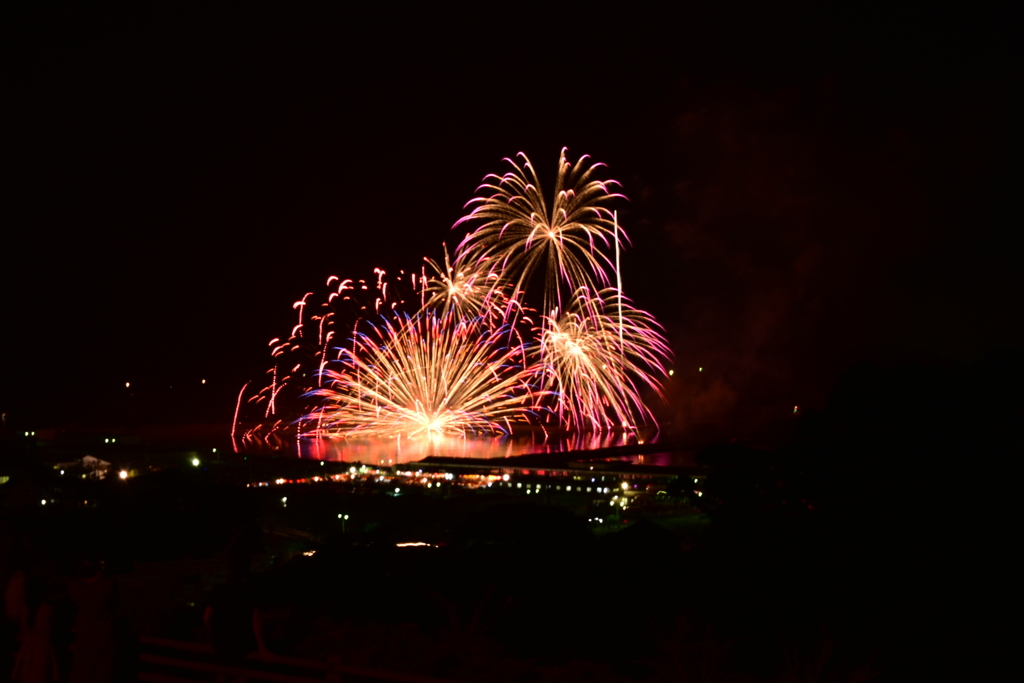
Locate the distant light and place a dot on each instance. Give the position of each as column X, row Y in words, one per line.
column 123, row 474
column 795, row 409
column 204, row 381
column 352, row 470
column 127, row 385
column 568, row 488
column 625, row 486
column 285, row 499
column 397, row 490
column 418, row 544
column 700, row 369
column 195, row 462
column 104, row 440
column 345, row 517
column 62, row 471
column 308, row 553
column 43, row 501
column 322, row 463
column 504, row 478
column 113, row 441
column 671, row 372
column 214, row 450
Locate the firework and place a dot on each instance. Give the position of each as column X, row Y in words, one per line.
column 523, row 233
column 468, row 288
column 431, row 375
column 596, row 356
column 467, row 353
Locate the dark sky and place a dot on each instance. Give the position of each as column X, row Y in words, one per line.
column 806, row 190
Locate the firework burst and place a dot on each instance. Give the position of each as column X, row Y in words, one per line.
column 467, row 288
column 523, row 233
column 596, row 356
column 432, row 375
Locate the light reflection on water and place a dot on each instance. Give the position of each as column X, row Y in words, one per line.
column 398, row 451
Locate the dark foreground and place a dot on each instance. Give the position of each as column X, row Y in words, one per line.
column 872, row 546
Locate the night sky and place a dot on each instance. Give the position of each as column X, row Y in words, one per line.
column 807, row 191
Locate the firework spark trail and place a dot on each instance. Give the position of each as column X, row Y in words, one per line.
column 524, row 235
column 596, row 355
column 234, row 422
column 435, row 375
column 466, row 288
